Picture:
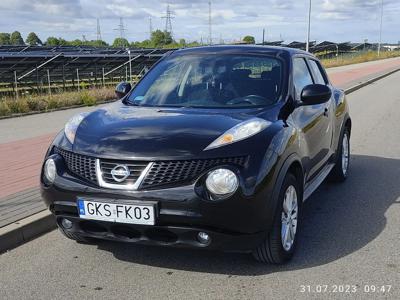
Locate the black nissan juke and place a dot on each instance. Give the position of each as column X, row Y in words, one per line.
column 215, row 147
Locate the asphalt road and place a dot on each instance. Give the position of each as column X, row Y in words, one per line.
column 350, row 236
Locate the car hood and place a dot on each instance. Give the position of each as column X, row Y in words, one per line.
column 123, row 131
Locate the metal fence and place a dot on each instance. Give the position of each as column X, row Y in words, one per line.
column 47, row 69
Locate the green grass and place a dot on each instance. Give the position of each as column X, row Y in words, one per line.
column 357, row 58
column 10, row 106
column 89, row 97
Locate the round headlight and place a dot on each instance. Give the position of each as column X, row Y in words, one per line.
column 50, row 170
column 222, row 182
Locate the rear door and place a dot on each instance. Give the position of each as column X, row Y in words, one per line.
column 312, row 120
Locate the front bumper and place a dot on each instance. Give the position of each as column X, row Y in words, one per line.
column 174, row 236
column 238, row 223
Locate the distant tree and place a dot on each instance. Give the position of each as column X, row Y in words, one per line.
column 52, row 41
column 4, row 38
column 120, row 42
column 160, row 38
column 33, row 39
column 16, row 38
column 76, row 42
column 146, row 44
column 98, row 43
column 62, row 42
column 249, row 39
column 182, row 42
column 193, row 44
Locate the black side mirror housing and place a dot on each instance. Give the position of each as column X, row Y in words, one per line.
column 315, row 94
column 122, row 89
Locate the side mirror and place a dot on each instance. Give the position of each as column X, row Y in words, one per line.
column 315, row 94
column 122, row 89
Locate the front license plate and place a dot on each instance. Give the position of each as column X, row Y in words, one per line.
column 114, row 212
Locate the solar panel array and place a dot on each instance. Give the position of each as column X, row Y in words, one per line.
column 31, row 67
column 63, row 63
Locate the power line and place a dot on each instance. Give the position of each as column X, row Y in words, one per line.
column 98, row 30
column 168, row 20
column 121, row 28
column 308, row 27
column 150, row 26
column 380, row 30
column 209, row 24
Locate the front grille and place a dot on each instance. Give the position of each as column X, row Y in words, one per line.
column 135, row 169
column 175, row 172
column 161, row 173
column 81, row 165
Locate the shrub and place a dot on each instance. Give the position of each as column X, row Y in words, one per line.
column 29, row 103
column 103, row 94
column 33, row 104
column 52, row 103
column 18, row 106
column 4, row 109
column 87, row 99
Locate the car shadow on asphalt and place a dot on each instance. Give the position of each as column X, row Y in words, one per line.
column 338, row 220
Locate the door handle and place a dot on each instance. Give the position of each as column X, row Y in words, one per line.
column 326, row 112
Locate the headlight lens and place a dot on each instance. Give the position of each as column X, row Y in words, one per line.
column 222, row 182
column 50, row 170
column 72, row 125
column 240, row 132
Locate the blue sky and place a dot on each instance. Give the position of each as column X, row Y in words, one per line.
column 335, row 20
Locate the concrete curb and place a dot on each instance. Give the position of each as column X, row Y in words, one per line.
column 368, row 82
column 25, row 230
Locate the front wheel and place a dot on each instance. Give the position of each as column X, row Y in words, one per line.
column 279, row 245
column 341, row 169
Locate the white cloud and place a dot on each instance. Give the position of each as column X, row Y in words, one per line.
column 331, row 19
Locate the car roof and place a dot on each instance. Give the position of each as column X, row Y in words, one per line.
column 274, row 50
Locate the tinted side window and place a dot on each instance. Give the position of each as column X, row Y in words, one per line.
column 319, row 78
column 301, row 75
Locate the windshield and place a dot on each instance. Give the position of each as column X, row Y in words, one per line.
column 209, row 80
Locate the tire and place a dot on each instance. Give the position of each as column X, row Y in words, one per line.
column 76, row 237
column 340, row 171
column 272, row 250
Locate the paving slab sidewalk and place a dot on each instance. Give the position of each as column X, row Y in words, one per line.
column 21, row 158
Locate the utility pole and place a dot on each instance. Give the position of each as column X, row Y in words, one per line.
column 380, row 30
column 150, row 27
column 16, row 84
column 168, row 20
column 98, row 34
column 121, row 28
column 130, row 65
column 263, row 39
column 209, row 24
column 309, row 27
column 48, row 81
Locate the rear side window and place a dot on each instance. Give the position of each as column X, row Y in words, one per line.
column 301, row 75
column 319, row 78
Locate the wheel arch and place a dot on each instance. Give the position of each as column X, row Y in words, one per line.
column 348, row 124
column 292, row 164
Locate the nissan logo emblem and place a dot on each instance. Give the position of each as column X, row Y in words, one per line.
column 120, row 173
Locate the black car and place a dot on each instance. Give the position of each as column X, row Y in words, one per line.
column 215, row 147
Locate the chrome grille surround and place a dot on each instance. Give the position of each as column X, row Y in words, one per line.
column 143, row 174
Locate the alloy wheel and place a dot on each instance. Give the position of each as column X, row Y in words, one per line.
column 289, row 218
column 345, row 154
